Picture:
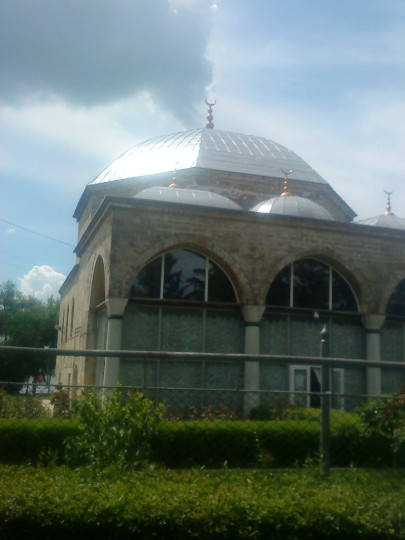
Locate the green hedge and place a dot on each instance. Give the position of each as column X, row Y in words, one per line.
column 30, row 441
column 281, row 443
column 61, row 503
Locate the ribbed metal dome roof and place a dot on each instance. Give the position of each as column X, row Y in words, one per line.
column 209, row 149
column 293, row 206
column 384, row 220
column 187, row 196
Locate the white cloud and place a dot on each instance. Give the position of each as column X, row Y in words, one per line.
column 41, row 282
column 10, row 231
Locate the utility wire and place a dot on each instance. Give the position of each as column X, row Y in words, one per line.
column 35, row 232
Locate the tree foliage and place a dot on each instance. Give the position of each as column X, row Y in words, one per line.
column 25, row 321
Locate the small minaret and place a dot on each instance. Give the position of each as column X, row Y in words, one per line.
column 210, row 118
column 388, row 210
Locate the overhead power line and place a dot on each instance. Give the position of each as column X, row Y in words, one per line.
column 37, row 233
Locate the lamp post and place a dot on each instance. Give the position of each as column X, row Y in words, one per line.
column 325, row 403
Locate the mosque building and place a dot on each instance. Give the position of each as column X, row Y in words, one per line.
column 213, row 241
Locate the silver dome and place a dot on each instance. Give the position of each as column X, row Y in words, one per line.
column 293, row 206
column 384, row 220
column 210, row 149
column 187, row 196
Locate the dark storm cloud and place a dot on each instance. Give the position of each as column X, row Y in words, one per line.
column 91, row 52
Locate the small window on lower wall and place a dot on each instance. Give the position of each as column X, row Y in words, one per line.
column 305, row 386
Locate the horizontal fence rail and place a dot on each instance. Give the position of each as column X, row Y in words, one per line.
column 198, row 356
column 274, row 428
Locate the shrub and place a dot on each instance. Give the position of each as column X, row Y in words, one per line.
column 31, row 441
column 26, row 406
column 116, row 429
column 386, row 416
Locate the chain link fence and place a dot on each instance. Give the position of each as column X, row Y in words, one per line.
column 311, row 422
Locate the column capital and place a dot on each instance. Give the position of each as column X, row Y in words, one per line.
column 372, row 322
column 115, row 307
column 252, row 314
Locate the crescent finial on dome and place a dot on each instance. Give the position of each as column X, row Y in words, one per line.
column 286, row 192
column 210, row 118
column 388, row 211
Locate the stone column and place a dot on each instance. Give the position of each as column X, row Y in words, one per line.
column 373, row 324
column 252, row 316
column 115, row 315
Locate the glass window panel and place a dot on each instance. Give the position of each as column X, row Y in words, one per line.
column 132, row 372
column 396, row 304
column 273, row 377
column 311, row 284
column 219, row 287
column 343, row 298
column 354, row 383
column 224, row 375
column 346, row 337
column 337, row 388
column 274, row 334
column 392, row 380
column 305, row 336
column 147, row 282
column 300, row 380
column 140, row 328
column 393, row 341
column 279, row 293
column 182, row 330
column 180, row 374
column 184, row 276
column 225, row 332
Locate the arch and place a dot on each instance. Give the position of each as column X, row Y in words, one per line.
column 226, row 261
column 396, row 302
column 98, row 288
column 314, row 284
column 185, row 275
column 327, row 256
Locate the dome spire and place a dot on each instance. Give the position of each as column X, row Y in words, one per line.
column 174, row 184
column 286, row 192
column 210, row 118
column 388, row 210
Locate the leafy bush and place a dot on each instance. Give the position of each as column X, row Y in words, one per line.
column 386, row 416
column 279, row 409
column 116, row 429
column 34, row 441
column 198, row 504
column 27, row 406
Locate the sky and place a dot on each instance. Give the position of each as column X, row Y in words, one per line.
column 84, row 80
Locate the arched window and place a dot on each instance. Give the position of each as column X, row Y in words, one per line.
column 309, row 283
column 183, row 275
column 304, row 297
column 183, row 301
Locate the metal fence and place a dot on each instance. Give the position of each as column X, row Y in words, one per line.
column 277, row 428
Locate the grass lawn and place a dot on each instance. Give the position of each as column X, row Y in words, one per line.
column 58, row 502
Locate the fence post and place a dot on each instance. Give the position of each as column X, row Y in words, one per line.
column 325, row 405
